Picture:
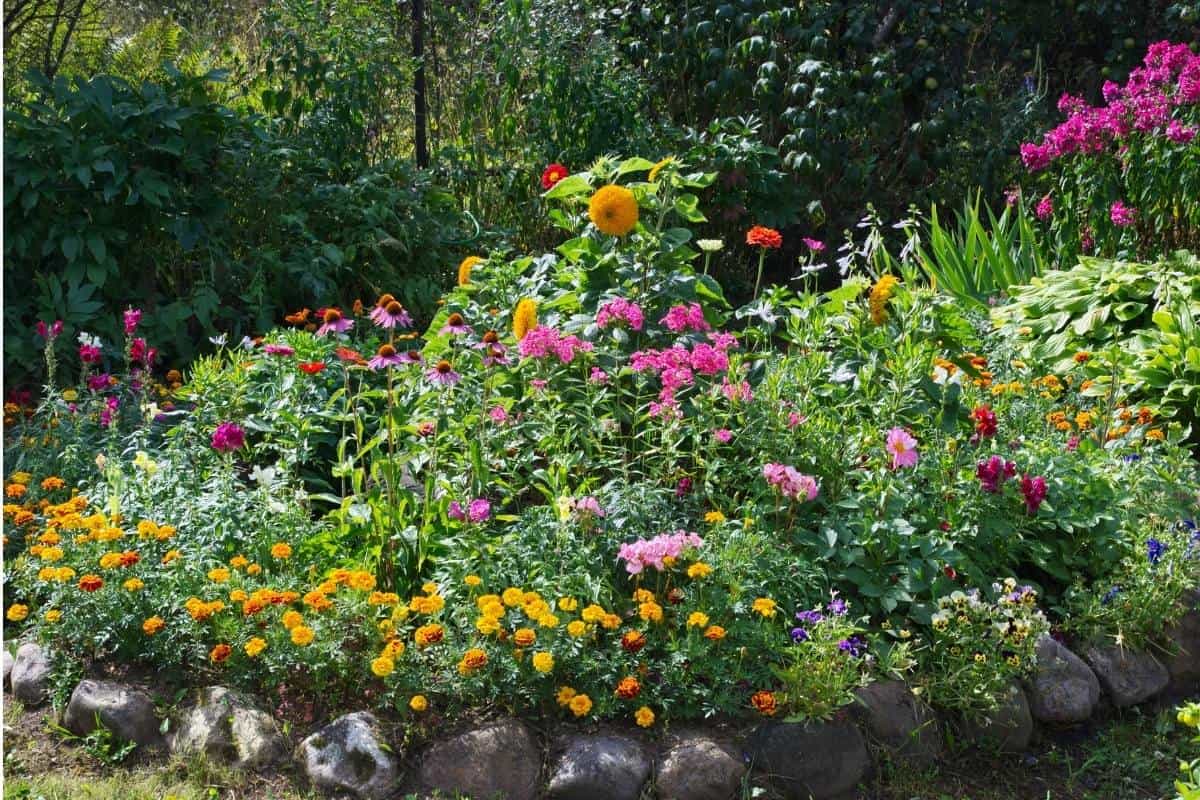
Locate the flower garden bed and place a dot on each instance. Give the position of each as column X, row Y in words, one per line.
column 592, row 491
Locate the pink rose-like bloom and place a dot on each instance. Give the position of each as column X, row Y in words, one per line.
column 902, row 447
column 790, row 482
column 132, row 317
column 278, row 350
column 1034, row 492
column 479, row 510
column 620, row 310
column 815, row 245
column 682, row 318
column 654, row 552
column 795, row 419
column 455, row 511
column 228, row 436
column 498, row 415
column 1122, row 215
column 598, row 376
column 723, row 435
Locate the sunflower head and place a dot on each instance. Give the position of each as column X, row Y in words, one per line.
column 464, row 269
column 613, row 210
column 524, row 317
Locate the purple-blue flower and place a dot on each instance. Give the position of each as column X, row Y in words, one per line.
column 1155, row 550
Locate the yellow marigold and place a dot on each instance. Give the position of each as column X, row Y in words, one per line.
column 610, row 622
column 302, row 635
column 484, row 599
column 643, row 596
column 393, row 649
column 1155, row 434
column 383, row 666
column 714, row 517
column 17, row 612
column 567, row 604
column 281, row 550
column 881, row 292
column 512, row 597
column 153, row 625
column 375, row 598
column 170, row 556
column 697, row 619
column 580, row 705
column 253, row 569
column 133, row 584
column 592, row 613
column 494, row 609
column 547, row 621
column 418, row 703
column 64, row 574
column 543, row 662
column 524, row 637
column 429, row 587
column 472, row 580
column 465, row 267
column 613, row 210
column 644, row 717
column 699, row 570
column 472, row 660
column 218, row 575
column 239, row 562
column 650, row 612
column 317, row 601
column 110, row 560
column 53, row 615
column 764, row 606
column 577, row 628
column 291, row 619
column 21, row 478
column 565, row 695
column 428, row 634
column 51, row 554
column 487, row 625
column 524, row 317
column 363, row 581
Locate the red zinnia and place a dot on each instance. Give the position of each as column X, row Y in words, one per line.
column 312, row 367
column 760, row 236
column 553, row 174
column 346, row 354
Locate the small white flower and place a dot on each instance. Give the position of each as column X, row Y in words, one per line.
column 710, row 245
column 247, row 343
column 220, row 340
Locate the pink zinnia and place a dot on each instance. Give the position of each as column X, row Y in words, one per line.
column 902, row 447
column 228, row 437
column 815, row 245
column 498, row 415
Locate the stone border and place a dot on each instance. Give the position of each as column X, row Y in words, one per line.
column 503, row 758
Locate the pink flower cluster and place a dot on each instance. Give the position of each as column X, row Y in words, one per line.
column 228, row 437
column 620, row 310
column 1169, row 78
column 677, row 366
column 51, row 331
column 682, row 318
column 1122, row 215
column 544, row 341
column 477, row 511
column 654, row 552
column 791, row 482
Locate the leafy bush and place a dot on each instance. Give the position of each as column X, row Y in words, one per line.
column 159, row 192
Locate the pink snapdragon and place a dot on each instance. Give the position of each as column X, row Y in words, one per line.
column 654, row 552
column 790, row 482
column 49, row 331
column 131, row 319
column 1034, row 492
column 902, row 447
column 619, row 310
column 993, row 472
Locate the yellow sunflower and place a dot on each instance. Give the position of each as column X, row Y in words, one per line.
column 524, row 317
column 464, row 269
column 613, row 210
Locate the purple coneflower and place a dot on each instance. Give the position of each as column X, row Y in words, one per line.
column 455, row 324
column 386, row 356
column 332, row 321
column 391, row 314
column 443, row 373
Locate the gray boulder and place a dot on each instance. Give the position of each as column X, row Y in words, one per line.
column 599, row 768
column 225, row 725
column 125, row 710
column 1183, row 662
column 30, row 676
column 500, row 759
column 698, row 768
column 899, row 721
column 350, row 756
column 815, row 760
column 1063, row 689
column 1129, row 676
column 1007, row 728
